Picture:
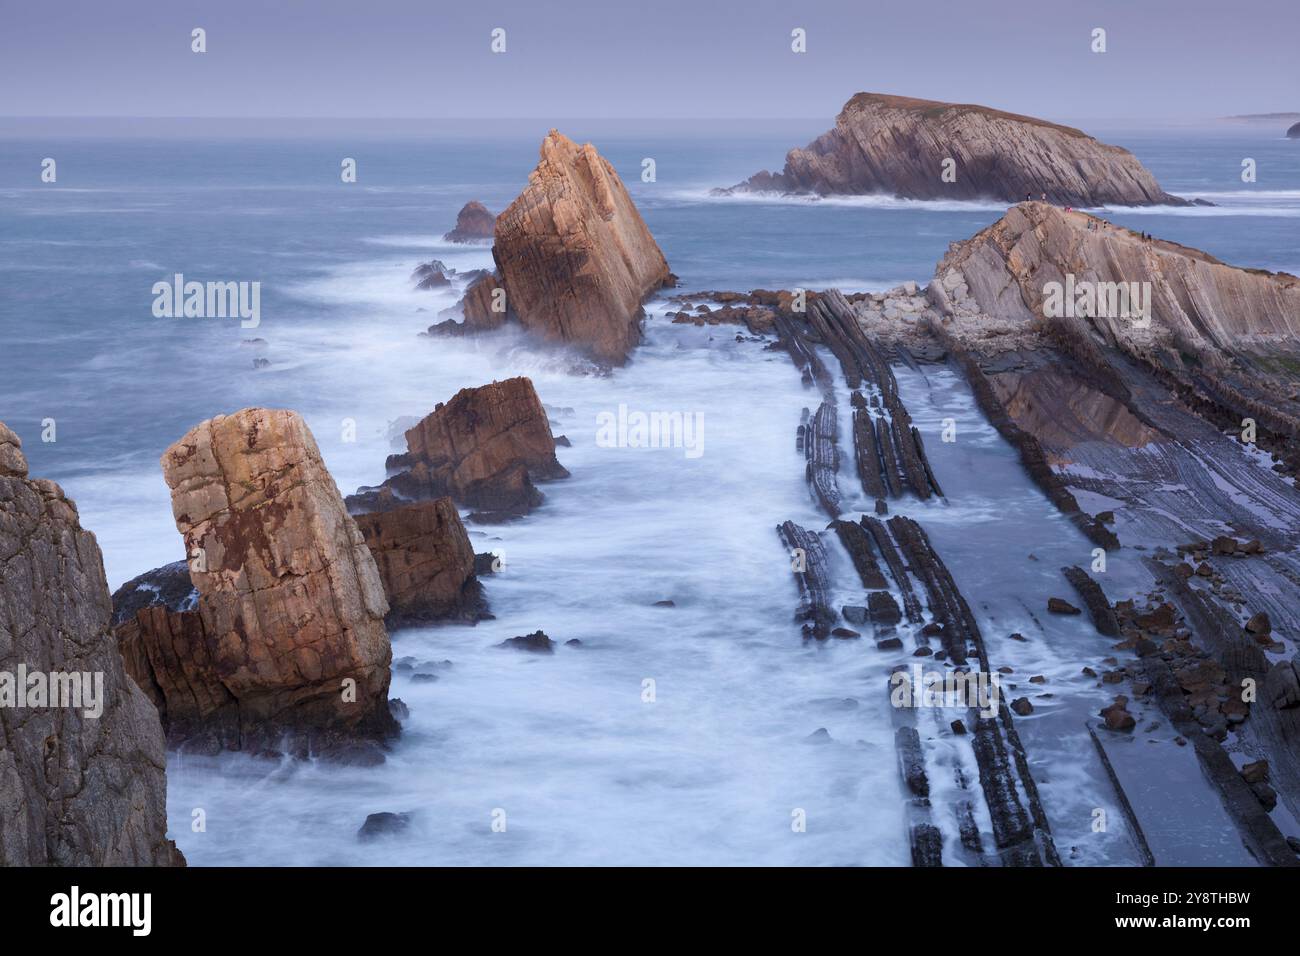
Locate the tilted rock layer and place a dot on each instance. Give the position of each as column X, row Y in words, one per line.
column 288, row 637
column 484, row 448
column 574, row 256
column 897, row 145
column 76, row 788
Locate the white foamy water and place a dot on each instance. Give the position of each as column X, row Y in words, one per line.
column 585, row 769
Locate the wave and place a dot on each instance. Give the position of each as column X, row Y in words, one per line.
column 874, row 201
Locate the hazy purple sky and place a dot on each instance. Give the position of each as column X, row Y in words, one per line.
column 1172, row 59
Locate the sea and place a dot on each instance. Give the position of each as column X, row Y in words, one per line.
column 703, row 733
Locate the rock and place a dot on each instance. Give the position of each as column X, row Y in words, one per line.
column 169, row 586
column 384, row 824
column 1260, row 625
column 1059, row 606
column 1266, row 794
column 81, row 783
column 882, row 608
column 425, row 561
column 898, row 145
column 844, row 632
column 1293, row 132
column 854, row 614
column 665, row 603
column 536, row 642
column 574, row 256
column 819, row 736
column 473, row 224
column 484, row 448
column 1117, row 716
column 958, row 727
column 1224, row 545
column 287, row 642
column 1256, row 772
column 432, row 275
column 1022, row 707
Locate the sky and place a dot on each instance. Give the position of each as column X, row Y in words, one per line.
column 653, row 59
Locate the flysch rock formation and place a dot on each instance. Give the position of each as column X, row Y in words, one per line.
column 575, row 261
column 473, row 224
column 1133, row 425
column 485, row 449
column 1144, row 414
column 82, row 782
column 426, row 563
column 286, row 649
column 900, row 146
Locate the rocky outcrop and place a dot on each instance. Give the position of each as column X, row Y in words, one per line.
column 287, row 645
column 169, row 586
column 1293, row 132
column 473, row 224
column 484, row 448
column 425, row 561
column 81, row 766
column 573, row 256
column 900, row 146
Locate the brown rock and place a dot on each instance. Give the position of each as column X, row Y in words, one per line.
column 288, row 637
column 425, row 561
column 897, row 145
column 1022, row 707
column 1260, row 625
column 1060, row 606
column 473, row 224
column 1117, row 716
column 574, row 256
column 81, row 782
column 484, row 448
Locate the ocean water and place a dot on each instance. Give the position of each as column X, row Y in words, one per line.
column 584, row 769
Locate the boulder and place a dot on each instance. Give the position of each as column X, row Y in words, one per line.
column 898, row 145
column 287, row 643
column 1061, row 606
column 81, row 776
column 473, row 224
column 484, row 448
column 536, row 642
column 574, row 256
column 425, row 561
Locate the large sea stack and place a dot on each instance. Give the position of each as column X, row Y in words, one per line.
column 573, row 256
column 900, row 146
column 1293, row 132
column 287, row 643
column 81, row 784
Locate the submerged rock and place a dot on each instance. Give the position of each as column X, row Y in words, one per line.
column 287, row 640
column 81, row 778
column 384, row 824
column 898, row 145
column 536, row 642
